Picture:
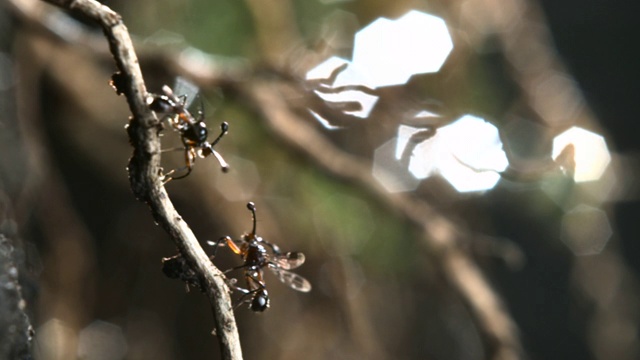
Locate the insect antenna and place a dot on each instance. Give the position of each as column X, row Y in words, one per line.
column 252, row 207
column 210, row 151
column 208, row 148
column 224, row 129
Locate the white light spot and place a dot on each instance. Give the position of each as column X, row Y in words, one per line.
column 586, row 230
column 468, row 153
column 420, row 169
column 366, row 101
column 348, row 76
column 591, row 155
column 464, row 179
column 330, row 92
column 324, row 122
column 324, row 69
column 476, row 143
column 389, row 52
column 424, row 114
column 405, row 132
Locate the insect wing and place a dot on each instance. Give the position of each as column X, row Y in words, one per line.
column 290, row 260
column 294, row 281
column 186, row 90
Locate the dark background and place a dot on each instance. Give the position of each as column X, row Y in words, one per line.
column 597, row 40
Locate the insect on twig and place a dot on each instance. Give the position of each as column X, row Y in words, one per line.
column 193, row 131
column 253, row 250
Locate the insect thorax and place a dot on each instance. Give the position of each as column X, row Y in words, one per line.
column 255, row 254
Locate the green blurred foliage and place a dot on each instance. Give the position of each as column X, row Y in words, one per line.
column 217, row 27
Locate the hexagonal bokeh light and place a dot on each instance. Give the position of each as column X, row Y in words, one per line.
column 388, row 52
column 586, row 230
column 323, row 70
column 468, row 153
column 348, row 76
column 366, row 101
column 591, row 155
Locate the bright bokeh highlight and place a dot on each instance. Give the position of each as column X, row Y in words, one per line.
column 346, row 77
column 324, row 69
column 388, row 52
column 591, row 154
column 366, row 101
column 468, row 153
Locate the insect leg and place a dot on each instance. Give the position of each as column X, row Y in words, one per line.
column 208, row 150
column 190, row 156
column 245, row 293
column 230, row 243
column 172, row 149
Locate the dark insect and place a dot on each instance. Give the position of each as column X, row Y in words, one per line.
column 176, row 267
column 118, row 82
column 253, row 250
column 193, row 131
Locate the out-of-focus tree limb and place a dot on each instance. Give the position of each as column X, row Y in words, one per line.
column 527, row 45
column 144, row 170
column 277, row 32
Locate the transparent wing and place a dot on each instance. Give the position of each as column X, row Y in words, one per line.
column 288, row 261
column 294, row 281
column 185, row 90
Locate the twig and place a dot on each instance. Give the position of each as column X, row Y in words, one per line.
column 16, row 342
column 144, row 170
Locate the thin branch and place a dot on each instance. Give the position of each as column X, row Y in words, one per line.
column 144, row 170
column 15, row 343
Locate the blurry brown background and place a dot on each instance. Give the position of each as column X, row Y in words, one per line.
column 90, row 255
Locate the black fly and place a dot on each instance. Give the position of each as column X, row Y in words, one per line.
column 253, row 250
column 193, row 130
